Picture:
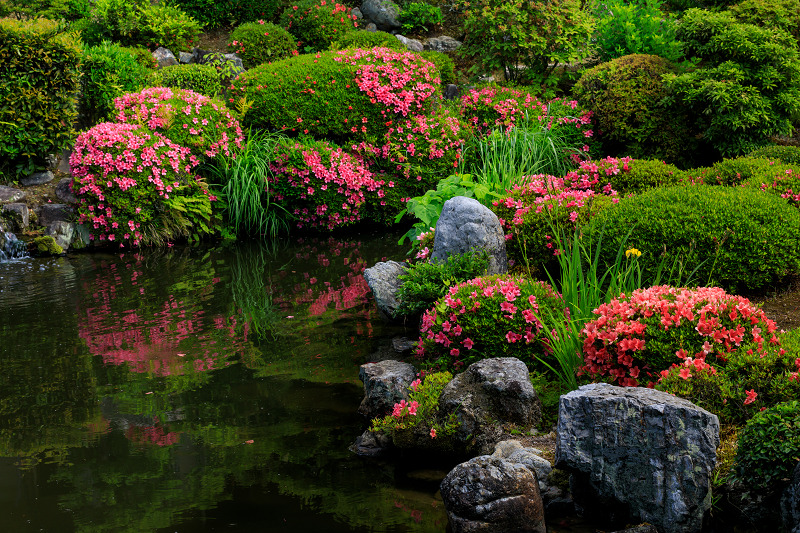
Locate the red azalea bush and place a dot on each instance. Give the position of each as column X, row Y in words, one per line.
column 317, row 23
column 493, row 316
column 637, row 336
column 319, row 183
column 136, row 186
column 187, row 118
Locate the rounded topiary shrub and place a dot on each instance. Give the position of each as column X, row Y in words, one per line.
column 348, row 94
column 494, row 316
column 135, row 186
column 769, row 446
column 187, row 118
column 317, row 23
column 444, row 63
column 736, row 237
column 625, row 96
column 260, row 42
column 320, row 184
column 636, row 337
column 202, row 79
column 640, row 175
column 367, row 39
column 773, row 152
column 739, row 170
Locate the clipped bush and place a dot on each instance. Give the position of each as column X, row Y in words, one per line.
column 494, row 316
column 108, row 71
column 38, row 107
column 367, row 39
column 781, row 14
column 637, row 336
column 136, row 187
column 426, row 282
column 627, row 100
column 119, row 21
column 143, row 56
column 260, row 42
column 782, row 180
column 317, row 23
column 202, row 79
column 444, row 64
column 745, row 383
column 784, row 154
column 213, row 14
column 186, row 118
column 320, row 184
column 769, row 446
column 349, row 94
column 423, row 16
column 747, row 86
column 640, row 175
column 638, row 27
column 170, row 27
column 736, row 171
column 736, row 237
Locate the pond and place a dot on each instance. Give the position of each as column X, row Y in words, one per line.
column 198, row 389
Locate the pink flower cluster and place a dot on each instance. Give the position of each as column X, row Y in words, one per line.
column 640, row 335
column 486, row 317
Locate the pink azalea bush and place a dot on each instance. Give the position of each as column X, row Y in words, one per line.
column 187, row 118
column 321, row 185
column 128, row 180
column 494, row 316
column 635, row 337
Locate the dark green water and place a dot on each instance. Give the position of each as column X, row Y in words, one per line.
column 197, row 389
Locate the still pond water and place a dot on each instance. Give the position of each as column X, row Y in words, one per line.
column 197, row 389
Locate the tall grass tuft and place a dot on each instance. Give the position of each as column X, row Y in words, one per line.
column 245, row 188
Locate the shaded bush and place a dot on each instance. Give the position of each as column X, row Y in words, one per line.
column 784, row 154
column 638, row 27
column 769, row 446
column 780, row 14
column 108, row 72
column 216, row 13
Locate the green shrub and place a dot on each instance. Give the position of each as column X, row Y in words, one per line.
column 119, row 21
column 638, row 27
column 736, row 171
column 744, row 384
column 257, row 43
column 500, row 37
column 338, row 95
column 50, row 9
column 641, row 175
column 784, row 154
column 426, row 282
column 420, row 16
column 108, row 72
column 202, row 79
column 494, row 316
column 780, row 180
column 769, row 446
column 367, row 39
column 143, row 56
column 444, row 64
column 781, row 14
column 213, row 14
column 747, row 85
column 39, row 75
column 736, row 237
column 317, row 23
column 169, row 27
column 626, row 96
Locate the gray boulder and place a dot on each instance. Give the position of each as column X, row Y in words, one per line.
column 465, row 224
column 643, row 451
column 18, row 215
column 49, row 213
column 412, row 44
column 790, row 503
column 384, row 282
column 186, row 58
column 164, row 57
column 64, row 191
column 370, row 444
column 37, row 178
column 384, row 13
column 442, row 44
column 385, row 384
column 490, row 393
column 10, row 195
column 451, row 91
column 63, row 233
column 490, row 494
column 371, row 27
column 357, row 13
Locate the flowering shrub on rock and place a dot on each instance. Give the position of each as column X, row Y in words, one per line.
column 187, row 118
column 317, row 23
column 136, row 186
column 637, row 336
column 319, row 183
column 494, row 316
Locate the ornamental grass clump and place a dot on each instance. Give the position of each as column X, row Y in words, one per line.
column 186, row 118
column 494, row 316
column 320, row 184
column 136, row 186
column 637, row 336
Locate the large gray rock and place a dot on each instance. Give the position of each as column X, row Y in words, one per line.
column 465, row 224
column 490, row 393
column 18, row 214
column 370, row 444
column 645, row 449
column 412, row 44
column 10, row 195
column 384, row 13
column 384, row 282
column 790, row 503
column 164, row 57
column 63, row 233
column 49, row 213
column 490, row 494
column 37, row 178
column 385, row 384
column 442, row 44
column 64, row 191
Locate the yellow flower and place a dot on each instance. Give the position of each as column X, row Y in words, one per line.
column 632, row 252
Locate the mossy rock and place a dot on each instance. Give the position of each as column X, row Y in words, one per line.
column 47, row 245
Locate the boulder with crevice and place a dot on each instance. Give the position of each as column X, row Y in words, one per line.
column 385, row 384
column 384, row 281
column 385, row 14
